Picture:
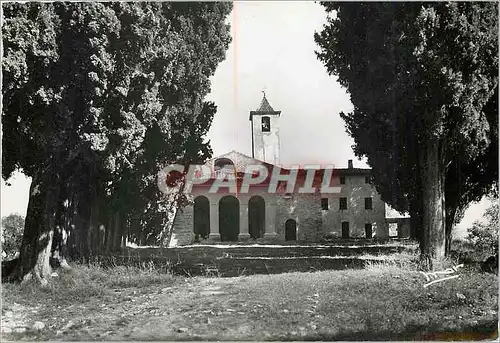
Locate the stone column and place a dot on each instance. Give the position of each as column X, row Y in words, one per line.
column 270, row 221
column 214, row 220
column 244, row 235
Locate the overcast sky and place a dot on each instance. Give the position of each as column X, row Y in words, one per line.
column 272, row 50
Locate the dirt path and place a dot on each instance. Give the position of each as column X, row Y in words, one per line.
column 196, row 309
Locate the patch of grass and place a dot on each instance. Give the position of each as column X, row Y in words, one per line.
column 394, row 263
column 83, row 283
column 385, row 301
column 389, row 303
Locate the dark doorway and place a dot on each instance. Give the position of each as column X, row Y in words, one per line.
column 368, row 230
column 345, row 229
column 229, row 218
column 290, row 230
column 256, row 216
column 201, row 222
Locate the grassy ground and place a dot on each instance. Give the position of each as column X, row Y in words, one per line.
column 383, row 302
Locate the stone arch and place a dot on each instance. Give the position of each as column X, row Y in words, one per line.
column 290, row 230
column 224, row 167
column 229, row 218
column 256, row 216
column 201, row 222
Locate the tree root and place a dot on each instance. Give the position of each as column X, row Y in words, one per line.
column 425, row 263
column 10, row 271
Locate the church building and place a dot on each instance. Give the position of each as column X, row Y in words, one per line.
column 353, row 209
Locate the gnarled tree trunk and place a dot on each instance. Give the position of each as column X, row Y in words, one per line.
column 433, row 235
column 59, row 252
column 36, row 245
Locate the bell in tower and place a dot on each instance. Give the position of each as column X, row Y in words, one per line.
column 265, row 133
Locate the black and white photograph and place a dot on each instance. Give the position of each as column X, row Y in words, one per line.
column 249, row 170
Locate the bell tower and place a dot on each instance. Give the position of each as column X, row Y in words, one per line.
column 265, row 133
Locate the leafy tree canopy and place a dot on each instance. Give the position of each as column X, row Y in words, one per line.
column 98, row 97
column 422, row 78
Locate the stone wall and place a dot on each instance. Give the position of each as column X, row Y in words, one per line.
column 355, row 190
column 313, row 223
column 183, row 233
column 305, row 209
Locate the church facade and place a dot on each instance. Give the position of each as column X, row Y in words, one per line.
column 303, row 205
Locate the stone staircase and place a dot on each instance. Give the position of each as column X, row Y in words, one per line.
column 244, row 259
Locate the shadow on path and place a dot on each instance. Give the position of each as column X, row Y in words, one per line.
column 487, row 330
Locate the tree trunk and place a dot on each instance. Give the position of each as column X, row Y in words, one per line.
column 168, row 223
column 38, row 229
column 82, row 223
column 450, row 222
column 117, row 232
column 416, row 212
column 71, row 211
column 103, row 221
column 125, row 233
column 109, row 234
column 416, row 201
column 59, row 252
column 94, row 236
column 415, row 216
column 433, row 235
column 453, row 195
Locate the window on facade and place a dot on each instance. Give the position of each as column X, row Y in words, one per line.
column 266, row 124
column 393, row 229
column 324, row 203
column 343, row 204
column 342, row 180
column 222, row 163
column 368, row 203
column 224, row 167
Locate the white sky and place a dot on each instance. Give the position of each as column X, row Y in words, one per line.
column 272, row 50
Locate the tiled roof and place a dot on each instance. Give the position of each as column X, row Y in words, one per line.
column 265, row 106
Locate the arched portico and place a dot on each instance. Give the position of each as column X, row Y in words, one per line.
column 256, row 216
column 229, row 218
column 201, row 220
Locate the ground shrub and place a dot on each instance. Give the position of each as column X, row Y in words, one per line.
column 483, row 236
column 12, row 235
